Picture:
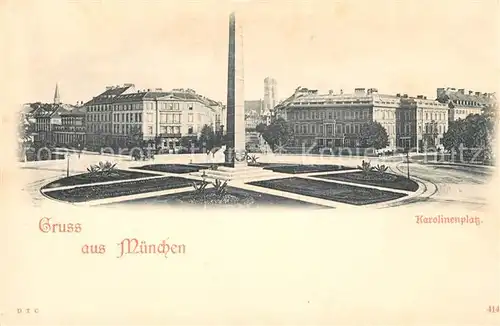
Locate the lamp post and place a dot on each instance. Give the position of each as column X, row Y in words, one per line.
column 407, row 150
column 67, row 164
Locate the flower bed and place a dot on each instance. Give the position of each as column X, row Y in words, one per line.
column 234, row 198
column 171, row 168
column 83, row 194
column 88, row 178
column 330, row 191
column 306, row 168
column 386, row 180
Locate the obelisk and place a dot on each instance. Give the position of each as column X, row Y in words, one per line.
column 235, row 146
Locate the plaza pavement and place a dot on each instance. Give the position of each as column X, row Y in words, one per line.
column 438, row 185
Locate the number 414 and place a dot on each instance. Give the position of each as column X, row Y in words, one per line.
column 494, row 308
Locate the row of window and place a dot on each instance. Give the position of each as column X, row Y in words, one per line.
column 137, row 117
column 140, row 106
column 467, row 112
column 322, row 115
column 328, row 129
column 409, row 115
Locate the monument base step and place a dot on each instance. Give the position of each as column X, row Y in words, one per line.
column 237, row 173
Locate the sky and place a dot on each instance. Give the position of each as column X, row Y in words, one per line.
column 410, row 46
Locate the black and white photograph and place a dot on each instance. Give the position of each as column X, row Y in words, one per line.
column 373, row 123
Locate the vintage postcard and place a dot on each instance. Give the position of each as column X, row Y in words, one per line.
column 250, row 162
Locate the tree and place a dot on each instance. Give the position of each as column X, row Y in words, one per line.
column 373, row 135
column 25, row 135
column 210, row 139
column 472, row 136
column 278, row 132
column 260, row 128
column 135, row 137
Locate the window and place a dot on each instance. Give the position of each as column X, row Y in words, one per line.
column 190, row 129
column 190, row 117
column 150, row 117
column 330, row 115
column 163, row 118
column 163, row 129
column 150, row 130
column 313, row 129
column 177, row 130
column 426, row 116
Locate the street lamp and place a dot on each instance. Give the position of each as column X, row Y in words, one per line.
column 407, row 150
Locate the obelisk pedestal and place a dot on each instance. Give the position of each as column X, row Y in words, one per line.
column 235, row 148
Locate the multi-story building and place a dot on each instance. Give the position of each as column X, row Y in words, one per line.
column 270, row 94
column 71, row 131
column 47, row 116
column 151, row 115
column 98, row 115
column 461, row 103
column 420, row 122
column 335, row 120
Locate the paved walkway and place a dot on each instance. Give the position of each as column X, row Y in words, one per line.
column 78, row 165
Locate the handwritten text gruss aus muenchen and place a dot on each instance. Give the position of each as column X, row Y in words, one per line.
column 128, row 246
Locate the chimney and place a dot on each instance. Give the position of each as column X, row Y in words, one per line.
column 405, row 95
column 471, row 92
column 478, row 93
column 158, row 90
column 461, row 90
column 421, row 97
column 398, row 95
column 359, row 91
column 128, row 85
column 109, row 87
column 425, row 97
column 330, row 92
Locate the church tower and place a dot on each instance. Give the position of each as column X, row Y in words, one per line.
column 57, row 96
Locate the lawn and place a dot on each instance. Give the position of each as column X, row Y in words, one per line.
column 387, row 180
column 83, row 194
column 172, row 168
column 87, row 178
column 236, row 197
column 306, row 168
column 330, row 191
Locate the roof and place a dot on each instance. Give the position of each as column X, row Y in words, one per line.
column 76, row 111
column 108, row 95
column 177, row 95
column 455, row 97
column 49, row 110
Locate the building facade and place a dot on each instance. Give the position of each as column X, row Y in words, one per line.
column 151, row 115
column 71, row 131
column 47, row 118
column 335, row 120
column 461, row 103
column 420, row 122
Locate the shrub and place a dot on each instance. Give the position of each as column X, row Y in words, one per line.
column 201, row 187
column 365, row 167
column 102, row 169
column 381, row 168
column 220, row 188
column 252, row 159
